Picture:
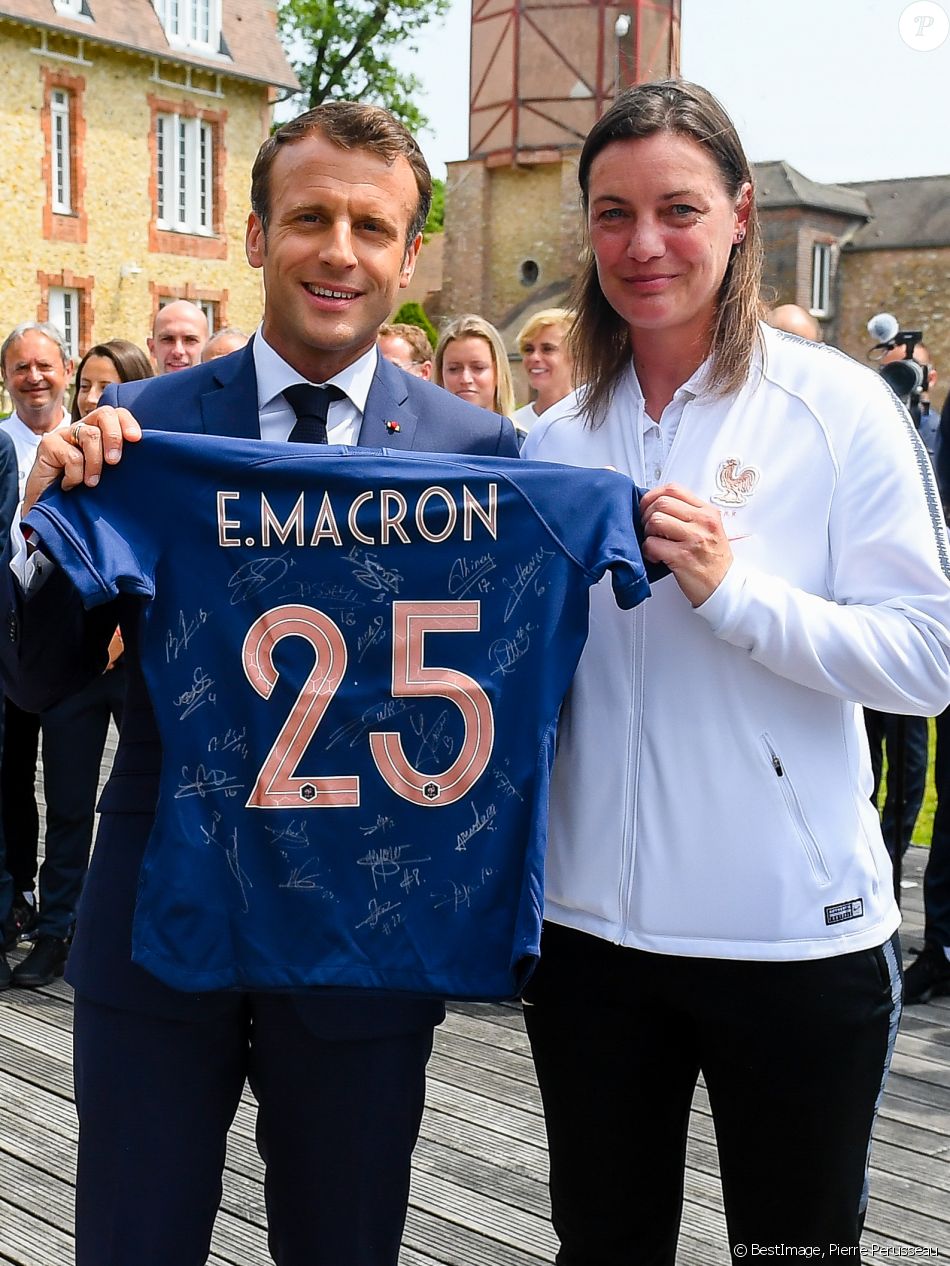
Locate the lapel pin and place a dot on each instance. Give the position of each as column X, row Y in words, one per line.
column 392, row 427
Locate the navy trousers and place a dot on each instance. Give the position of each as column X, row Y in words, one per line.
column 794, row 1056
column 6, row 882
column 882, row 736
column 336, row 1125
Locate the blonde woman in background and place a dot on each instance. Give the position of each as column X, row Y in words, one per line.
column 549, row 365
column 471, row 363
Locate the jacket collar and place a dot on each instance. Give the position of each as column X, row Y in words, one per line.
column 230, row 406
column 388, row 402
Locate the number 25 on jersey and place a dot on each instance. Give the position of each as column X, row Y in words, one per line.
column 278, row 786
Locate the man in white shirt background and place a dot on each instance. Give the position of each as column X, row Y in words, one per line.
column 36, row 368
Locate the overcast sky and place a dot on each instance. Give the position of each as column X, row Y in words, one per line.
column 828, row 85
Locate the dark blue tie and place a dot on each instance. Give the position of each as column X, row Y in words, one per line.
column 311, row 405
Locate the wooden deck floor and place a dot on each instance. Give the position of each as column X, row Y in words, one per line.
column 478, row 1193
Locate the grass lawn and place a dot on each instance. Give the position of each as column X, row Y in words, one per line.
column 925, row 819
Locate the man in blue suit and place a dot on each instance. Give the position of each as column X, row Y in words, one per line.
column 339, row 198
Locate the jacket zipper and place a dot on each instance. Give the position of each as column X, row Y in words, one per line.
column 634, row 728
column 793, row 804
column 634, row 736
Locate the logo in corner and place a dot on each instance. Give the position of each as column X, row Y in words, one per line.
column 924, row 26
column 844, row 911
column 735, row 482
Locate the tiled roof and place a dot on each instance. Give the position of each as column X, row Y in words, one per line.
column 778, row 184
column 250, row 47
column 913, row 212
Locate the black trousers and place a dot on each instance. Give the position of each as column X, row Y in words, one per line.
column 21, row 822
column 794, row 1057
column 6, row 883
column 74, row 735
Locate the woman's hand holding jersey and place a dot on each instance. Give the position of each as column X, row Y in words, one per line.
column 686, row 533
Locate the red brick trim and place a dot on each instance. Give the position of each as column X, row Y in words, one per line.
column 87, row 312
column 57, row 226
column 167, row 241
column 189, row 291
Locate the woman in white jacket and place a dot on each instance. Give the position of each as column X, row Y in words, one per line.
column 718, row 896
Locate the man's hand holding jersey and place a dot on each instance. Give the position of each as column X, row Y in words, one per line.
column 75, row 454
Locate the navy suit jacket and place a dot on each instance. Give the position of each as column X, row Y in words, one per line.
column 53, row 647
column 9, row 487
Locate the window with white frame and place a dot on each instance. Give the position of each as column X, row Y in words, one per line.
column 59, row 122
column 185, row 158
column 74, row 8
column 820, row 278
column 191, row 23
column 64, row 314
column 210, row 308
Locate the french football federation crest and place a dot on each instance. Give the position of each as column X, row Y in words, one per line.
column 735, row 482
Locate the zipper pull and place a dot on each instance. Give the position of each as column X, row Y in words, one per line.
column 777, row 766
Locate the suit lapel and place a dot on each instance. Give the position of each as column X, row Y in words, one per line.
column 230, row 407
column 388, row 402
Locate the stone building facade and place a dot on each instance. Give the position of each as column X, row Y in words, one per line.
column 128, row 129
column 527, row 244
column 804, row 224
column 899, row 262
column 844, row 252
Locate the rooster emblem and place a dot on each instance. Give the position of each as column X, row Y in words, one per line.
column 735, row 482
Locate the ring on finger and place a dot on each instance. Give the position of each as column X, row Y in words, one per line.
column 74, row 431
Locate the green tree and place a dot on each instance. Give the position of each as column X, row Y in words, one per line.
column 343, row 48
column 413, row 313
column 436, row 219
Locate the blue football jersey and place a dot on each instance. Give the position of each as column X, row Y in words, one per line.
column 356, row 659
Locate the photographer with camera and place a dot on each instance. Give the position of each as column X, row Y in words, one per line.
column 929, row 975
column 907, row 369
column 906, row 366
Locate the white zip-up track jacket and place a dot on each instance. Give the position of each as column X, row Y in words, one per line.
column 710, row 794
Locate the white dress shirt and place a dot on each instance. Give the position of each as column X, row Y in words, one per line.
column 25, row 441
column 277, row 417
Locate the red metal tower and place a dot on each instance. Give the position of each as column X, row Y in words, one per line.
column 543, row 71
